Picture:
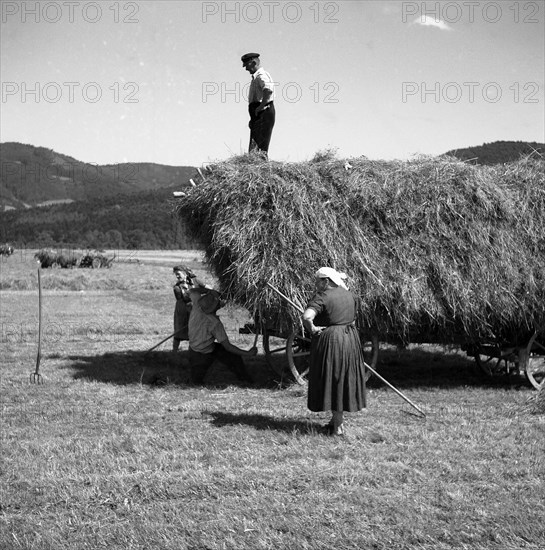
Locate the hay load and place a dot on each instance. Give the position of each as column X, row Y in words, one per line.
column 437, row 250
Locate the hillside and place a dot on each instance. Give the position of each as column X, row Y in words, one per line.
column 140, row 220
column 497, row 152
column 127, row 214
column 32, row 176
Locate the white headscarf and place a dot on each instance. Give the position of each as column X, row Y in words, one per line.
column 335, row 276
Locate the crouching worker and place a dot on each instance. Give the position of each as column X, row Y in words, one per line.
column 208, row 341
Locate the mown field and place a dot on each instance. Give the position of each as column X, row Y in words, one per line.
column 117, row 450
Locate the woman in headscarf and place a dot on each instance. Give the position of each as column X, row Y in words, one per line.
column 184, row 282
column 336, row 380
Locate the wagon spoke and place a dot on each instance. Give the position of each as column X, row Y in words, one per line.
column 298, row 354
column 277, row 350
column 273, row 349
column 489, row 360
column 539, row 345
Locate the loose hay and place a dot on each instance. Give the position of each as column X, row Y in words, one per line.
column 437, row 250
column 535, row 404
column 539, row 403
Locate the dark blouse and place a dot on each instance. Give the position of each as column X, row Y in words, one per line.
column 334, row 306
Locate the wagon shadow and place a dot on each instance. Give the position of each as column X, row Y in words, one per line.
column 432, row 367
column 156, row 369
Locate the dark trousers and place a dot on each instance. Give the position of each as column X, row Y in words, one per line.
column 261, row 127
column 199, row 363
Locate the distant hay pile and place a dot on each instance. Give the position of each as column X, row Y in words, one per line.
column 437, row 250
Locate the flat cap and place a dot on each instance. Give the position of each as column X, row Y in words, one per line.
column 247, row 57
column 211, row 302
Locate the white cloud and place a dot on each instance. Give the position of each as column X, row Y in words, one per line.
column 428, row 21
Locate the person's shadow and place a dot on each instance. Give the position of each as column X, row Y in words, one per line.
column 157, row 369
column 257, row 421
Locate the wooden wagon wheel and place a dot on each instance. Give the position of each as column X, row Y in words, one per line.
column 535, row 365
column 298, row 354
column 296, row 347
column 495, row 361
column 369, row 344
column 274, row 345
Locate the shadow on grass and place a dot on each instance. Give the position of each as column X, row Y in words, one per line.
column 427, row 367
column 156, row 369
column 432, row 367
column 420, row 368
column 264, row 422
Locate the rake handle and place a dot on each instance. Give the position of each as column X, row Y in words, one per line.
column 167, row 338
column 373, row 371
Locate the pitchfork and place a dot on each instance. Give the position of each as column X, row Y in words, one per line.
column 36, row 377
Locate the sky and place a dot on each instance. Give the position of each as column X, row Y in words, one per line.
column 161, row 81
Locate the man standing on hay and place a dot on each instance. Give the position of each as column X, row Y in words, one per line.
column 260, row 104
column 208, row 341
column 336, row 379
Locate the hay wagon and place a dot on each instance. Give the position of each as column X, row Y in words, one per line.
column 95, row 260
column 291, row 349
column 434, row 245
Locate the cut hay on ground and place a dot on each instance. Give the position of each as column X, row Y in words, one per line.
column 539, row 403
column 535, row 404
column 437, row 250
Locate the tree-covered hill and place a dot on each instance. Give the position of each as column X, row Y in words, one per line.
column 141, row 220
column 498, row 151
column 32, row 176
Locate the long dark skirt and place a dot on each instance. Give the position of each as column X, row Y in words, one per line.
column 336, row 380
column 181, row 320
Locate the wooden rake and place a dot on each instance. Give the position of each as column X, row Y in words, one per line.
column 165, row 339
column 373, row 371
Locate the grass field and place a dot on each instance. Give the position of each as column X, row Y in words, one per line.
column 116, row 450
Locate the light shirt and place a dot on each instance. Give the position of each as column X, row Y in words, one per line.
column 204, row 328
column 261, row 80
